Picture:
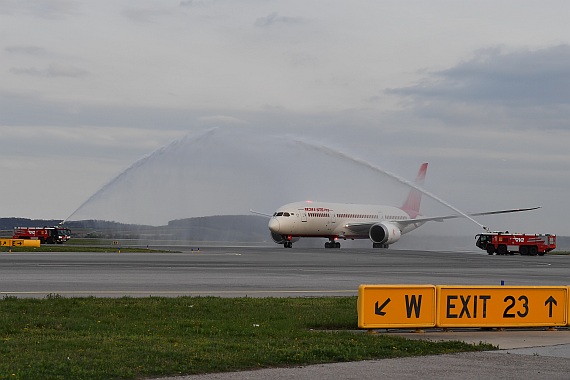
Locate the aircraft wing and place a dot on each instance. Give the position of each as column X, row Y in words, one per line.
column 442, row 218
column 364, row 226
column 504, row 211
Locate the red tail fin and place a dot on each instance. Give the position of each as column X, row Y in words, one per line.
column 412, row 203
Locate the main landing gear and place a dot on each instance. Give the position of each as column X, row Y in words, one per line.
column 332, row 244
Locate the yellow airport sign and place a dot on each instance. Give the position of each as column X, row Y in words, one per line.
column 19, row 243
column 27, row 242
column 502, row 306
column 396, row 306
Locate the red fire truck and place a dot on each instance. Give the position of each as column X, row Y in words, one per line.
column 48, row 235
column 505, row 243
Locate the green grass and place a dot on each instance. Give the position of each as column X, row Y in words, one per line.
column 128, row 338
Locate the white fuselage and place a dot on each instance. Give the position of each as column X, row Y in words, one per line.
column 331, row 220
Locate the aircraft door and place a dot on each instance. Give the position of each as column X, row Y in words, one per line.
column 303, row 214
column 332, row 216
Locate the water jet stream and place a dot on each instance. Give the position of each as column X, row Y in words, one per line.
column 336, row 153
column 226, row 172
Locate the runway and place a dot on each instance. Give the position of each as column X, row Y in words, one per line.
column 263, row 272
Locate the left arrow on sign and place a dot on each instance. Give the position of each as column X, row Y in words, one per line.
column 378, row 310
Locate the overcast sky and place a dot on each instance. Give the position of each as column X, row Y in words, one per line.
column 480, row 90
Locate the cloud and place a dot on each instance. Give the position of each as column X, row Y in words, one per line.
column 50, row 9
column 144, row 15
column 86, row 140
column 521, row 89
column 53, row 70
column 26, row 50
column 217, row 120
column 274, row 19
column 493, row 76
column 194, row 3
column 24, row 109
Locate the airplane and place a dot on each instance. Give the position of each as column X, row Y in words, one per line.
column 383, row 225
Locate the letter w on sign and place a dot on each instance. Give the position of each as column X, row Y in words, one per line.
column 413, row 305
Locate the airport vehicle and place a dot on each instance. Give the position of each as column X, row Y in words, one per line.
column 503, row 243
column 47, row 235
column 383, row 225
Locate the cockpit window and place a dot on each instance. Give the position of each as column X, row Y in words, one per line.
column 285, row 214
column 279, row 214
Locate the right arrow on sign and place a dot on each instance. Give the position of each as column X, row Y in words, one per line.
column 549, row 302
column 378, row 310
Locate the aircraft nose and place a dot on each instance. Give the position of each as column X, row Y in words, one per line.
column 273, row 225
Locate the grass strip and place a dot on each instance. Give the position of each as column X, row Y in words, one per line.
column 128, row 338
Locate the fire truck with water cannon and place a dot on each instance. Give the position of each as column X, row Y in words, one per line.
column 505, row 243
column 48, row 235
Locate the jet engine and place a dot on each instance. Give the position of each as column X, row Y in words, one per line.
column 280, row 239
column 384, row 233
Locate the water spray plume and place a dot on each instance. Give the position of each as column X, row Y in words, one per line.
column 224, row 172
column 337, row 153
column 228, row 171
